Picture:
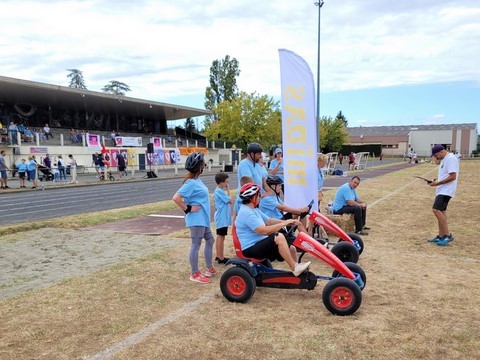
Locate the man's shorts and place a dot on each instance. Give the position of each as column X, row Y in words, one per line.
column 266, row 248
column 3, row 174
column 121, row 168
column 222, row 231
column 441, row 202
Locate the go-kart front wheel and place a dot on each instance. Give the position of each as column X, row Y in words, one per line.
column 342, row 296
column 346, row 252
column 355, row 268
column 358, row 238
column 237, row 285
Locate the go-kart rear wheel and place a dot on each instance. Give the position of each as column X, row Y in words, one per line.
column 237, row 284
column 342, row 296
column 346, row 252
column 356, row 237
column 355, row 268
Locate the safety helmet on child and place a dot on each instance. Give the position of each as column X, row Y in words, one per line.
column 274, row 180
column 248, row 191
column 194, row 162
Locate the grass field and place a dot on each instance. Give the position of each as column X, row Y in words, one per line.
column 421, row 301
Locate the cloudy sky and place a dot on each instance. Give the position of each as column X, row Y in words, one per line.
column 382, row 62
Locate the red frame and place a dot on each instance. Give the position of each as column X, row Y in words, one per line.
column 329, row 225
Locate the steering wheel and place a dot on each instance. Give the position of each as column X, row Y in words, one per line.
column 291, row 231
column 302, row 215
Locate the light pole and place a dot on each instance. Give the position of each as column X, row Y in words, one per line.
column 319, row 4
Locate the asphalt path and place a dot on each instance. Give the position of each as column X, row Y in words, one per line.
column 31, row 205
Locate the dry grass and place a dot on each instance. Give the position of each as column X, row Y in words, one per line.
column 420, row 302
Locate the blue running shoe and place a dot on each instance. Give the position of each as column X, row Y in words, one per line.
column 436, row 239
column 445, row 240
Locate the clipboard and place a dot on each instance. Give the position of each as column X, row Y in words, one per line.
column 424, row 179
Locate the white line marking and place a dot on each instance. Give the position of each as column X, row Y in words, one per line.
column 168, row 216
column 141, row 335
column 392, row 193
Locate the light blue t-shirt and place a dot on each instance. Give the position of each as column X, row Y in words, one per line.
column 268, row 205
column 22, row 167
column 344, row 193
column 237, row 203
column 31, row 165
column 246, row 222
column 194, row 192
column 248, row 168
column 274, row 163
column 223, row 215
column 321, row 179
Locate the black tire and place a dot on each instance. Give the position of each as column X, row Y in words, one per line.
column 102, row 177
column 359, row 240
column 342, row 296
column 353, row 268
column 346, row 252
column 237, row 285
column 111, row 178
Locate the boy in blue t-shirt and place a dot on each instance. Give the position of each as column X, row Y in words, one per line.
column 223, row 214
column 22, row 170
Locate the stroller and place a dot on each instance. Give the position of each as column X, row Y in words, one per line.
column 44, row 173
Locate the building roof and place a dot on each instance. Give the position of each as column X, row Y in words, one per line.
column 404, row 129
column 19, row 91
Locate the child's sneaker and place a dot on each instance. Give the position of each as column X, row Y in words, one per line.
column 199, row 277
column 221, row 261
column 210, row 272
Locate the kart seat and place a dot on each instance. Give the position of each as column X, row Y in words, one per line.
column 238, row 247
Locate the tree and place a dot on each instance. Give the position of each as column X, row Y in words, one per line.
column 189, row 126
column 76, row 79
column 333, row 134
column 116, row 88
column 247, row 118
column 223, row 84
column 341, row 117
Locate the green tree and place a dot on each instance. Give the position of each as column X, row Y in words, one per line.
column 247, row 118
column 333, row 134
column 116, row 88
column 76, row 79
column 223, row 85
column 341, row 117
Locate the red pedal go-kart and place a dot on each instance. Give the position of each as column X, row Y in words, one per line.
column 342, row 295
column 341, row 249
column 349, row 247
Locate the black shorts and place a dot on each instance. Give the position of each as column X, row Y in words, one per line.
column 121, row 168
column 21, row 175
column 222, row 231
column 441, row 202
column 266, row 248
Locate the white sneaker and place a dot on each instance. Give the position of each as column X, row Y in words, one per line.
column 301, row 267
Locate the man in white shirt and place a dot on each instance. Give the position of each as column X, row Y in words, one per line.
column 446, row 186
column 46, row 130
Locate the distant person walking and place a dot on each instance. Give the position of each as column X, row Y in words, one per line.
column 446, row 186
column 73, row 169
column 61, row 168
column 3, row 170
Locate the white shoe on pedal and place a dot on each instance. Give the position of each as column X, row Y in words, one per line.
column 301, row 267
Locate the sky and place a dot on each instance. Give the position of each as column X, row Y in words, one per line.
column 382, row 62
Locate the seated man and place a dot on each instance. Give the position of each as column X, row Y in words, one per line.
column 346, row 201
column 258, row 234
